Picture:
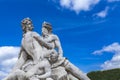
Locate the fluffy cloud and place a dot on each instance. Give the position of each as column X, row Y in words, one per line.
column 115, row 61
column 8, row 52
column 2, row 74
column 103, row 13
column 9, row 62
column 78, row 5
column 8, row 57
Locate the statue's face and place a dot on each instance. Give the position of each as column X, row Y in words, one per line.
column 44, row 31
column 54, row 57
column 27, row 26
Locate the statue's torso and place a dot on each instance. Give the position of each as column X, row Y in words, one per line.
column 50, row 40
column 27, row 40
column 31, row 46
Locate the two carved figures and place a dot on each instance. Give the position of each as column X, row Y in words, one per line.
column 41, row 57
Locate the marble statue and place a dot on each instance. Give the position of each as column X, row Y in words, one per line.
column 41, row 57
column 53, row 39
column 30, row 55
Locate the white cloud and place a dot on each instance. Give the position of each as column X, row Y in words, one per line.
column 8, row 57
column 9, row 62
column 103, row 13
column 78, row 5
column 115, row 47
column 2, row 74
column 115, row 61
column 65, row 3
column 8, row 52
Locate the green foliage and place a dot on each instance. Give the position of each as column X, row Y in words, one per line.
column 113, row 74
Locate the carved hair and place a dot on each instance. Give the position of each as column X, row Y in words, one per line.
column 25, row 22
column 48, row 26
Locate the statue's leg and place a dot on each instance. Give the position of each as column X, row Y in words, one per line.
column 75, row 71
column 20, row 75
column 11, row 76
column 32, row 71
column 71, row 77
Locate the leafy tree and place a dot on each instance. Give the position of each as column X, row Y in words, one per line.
column 113, row 74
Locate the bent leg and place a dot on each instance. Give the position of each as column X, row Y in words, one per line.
column 11, row 76
column 14, row 75
column 20, row 75
column 75, row 71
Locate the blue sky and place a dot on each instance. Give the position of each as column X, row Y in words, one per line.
column 88, row 30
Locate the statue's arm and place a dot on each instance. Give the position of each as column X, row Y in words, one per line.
column 21, row 60
column 58, row 45
column 43, row 43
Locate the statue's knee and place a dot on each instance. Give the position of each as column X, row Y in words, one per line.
column 68, row 67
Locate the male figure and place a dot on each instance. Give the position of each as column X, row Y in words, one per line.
column 54, row 43
column 34, row 51
column 30, row 54
column 42, row 70
column 58, row 71
column 30, row 47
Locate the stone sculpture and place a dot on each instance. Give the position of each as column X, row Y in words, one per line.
column 41, row 57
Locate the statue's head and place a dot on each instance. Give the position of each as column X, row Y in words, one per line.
column 27, row 24
column 46, row 28
column 54, row 56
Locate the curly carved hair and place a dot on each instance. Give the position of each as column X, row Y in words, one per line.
column 47, row 25
column 25, row 22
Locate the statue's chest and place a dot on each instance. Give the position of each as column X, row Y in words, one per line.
column 28, row 37
column 48, row 39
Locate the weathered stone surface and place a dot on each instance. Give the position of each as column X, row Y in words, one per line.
column 41, row 57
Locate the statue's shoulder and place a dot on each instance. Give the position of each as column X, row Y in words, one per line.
column 35, row 33
column 54, row 36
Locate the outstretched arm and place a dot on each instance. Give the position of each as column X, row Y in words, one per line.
column 58, row 45
column 43, row 43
